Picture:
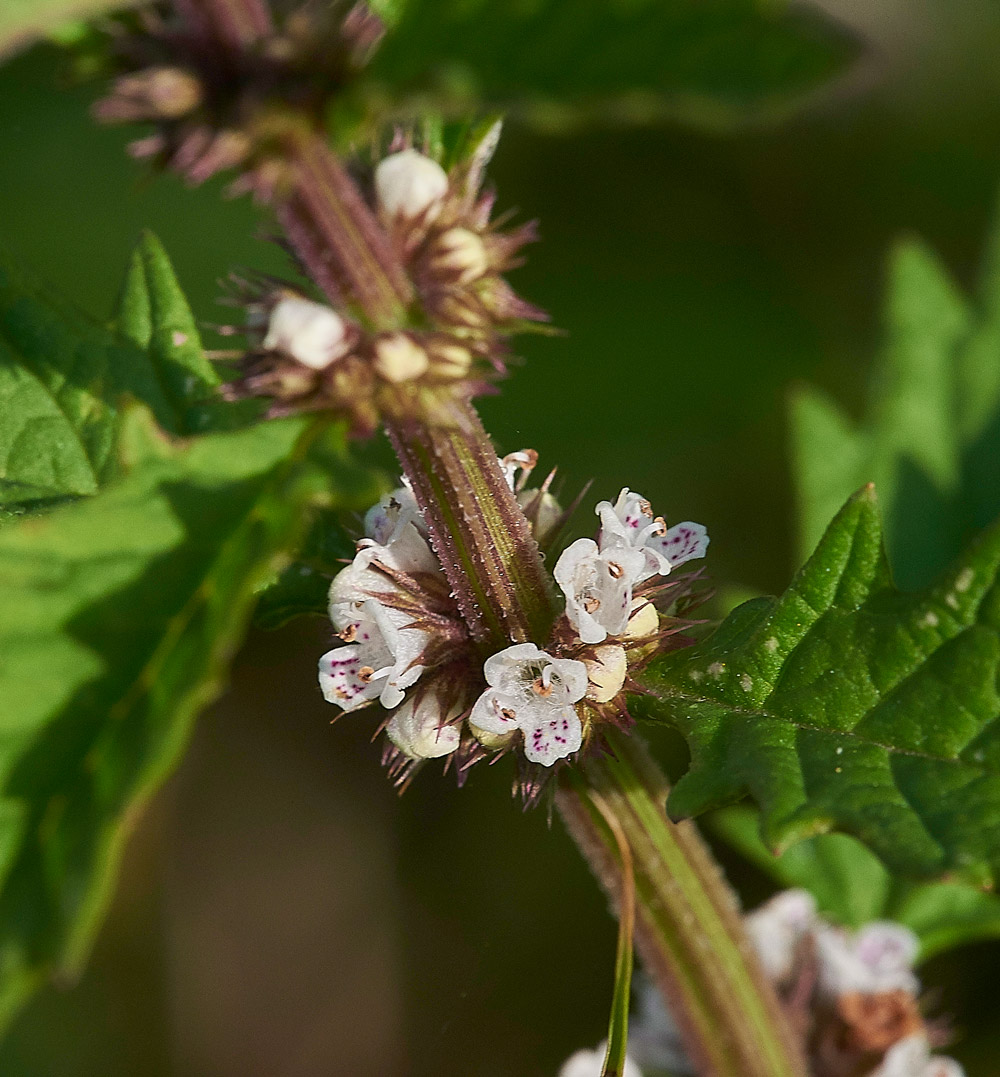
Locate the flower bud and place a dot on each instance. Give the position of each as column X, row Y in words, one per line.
column 458, row 255
column 460, row 312
column 421, row 731
column 308, row 332
column 644, row 620
column 157, row 93
column 410, row 185
column 491, row 741
column 543, row 511
column 399, row 358
column 605, row 673
column 449, row 360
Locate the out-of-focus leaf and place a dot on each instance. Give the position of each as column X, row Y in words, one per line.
column 120, row 615
column 849, row 883
column 846, row 704
column 154, row 315
column 59, row 376
column 556, row 61
column 852, row 886
column 63, row 378
column 931, row 440
column 22, row 21
column 303, row 587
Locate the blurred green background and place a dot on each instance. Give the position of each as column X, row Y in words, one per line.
column 283, row 913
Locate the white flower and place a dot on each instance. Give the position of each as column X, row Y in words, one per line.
column 630, row 522
column 421, row 730
column 911, row 1057
column 876, row 959
column 591, row 1064
column 777, row 928
column 533, row 692
column 383, row 645
column 378, row 661
column 408, row 184
column 385, row 520
column 598, row 584
column 308, row 332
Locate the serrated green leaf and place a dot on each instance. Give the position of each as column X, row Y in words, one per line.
column 846, row 704
column 852, row 887
column 556, row 61
column 64, row 378
column 120, row 615
column 931, row 440
column 154, row 315
column 58, row 382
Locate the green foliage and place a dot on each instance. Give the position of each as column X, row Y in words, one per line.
column 852, row 886
column 120, row 612
column 21, row 21
column 846, row 704
column 303, row 587
column 120, row 615
column 555, row 61
column 63, row 378
column 58, row 375
column 154, row 315
column 931, row 440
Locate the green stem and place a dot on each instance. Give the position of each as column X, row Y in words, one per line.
column 688, row 928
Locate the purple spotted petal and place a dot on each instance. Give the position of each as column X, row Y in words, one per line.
column 683, row 542
column 553, row 737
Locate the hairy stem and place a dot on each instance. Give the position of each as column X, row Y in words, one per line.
column 688, row 929
column 337, row 237
column 477, row 528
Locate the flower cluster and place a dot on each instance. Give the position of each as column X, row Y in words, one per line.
column 854, row 996
column 404, row 643
column 412, row 307
column 308, row 356
column 226, row 97
column 855, row 993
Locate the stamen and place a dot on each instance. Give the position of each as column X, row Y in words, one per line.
column 615, row 570
column 540, row 687
column 591, row 605
column 365, row 673
column 350, row 633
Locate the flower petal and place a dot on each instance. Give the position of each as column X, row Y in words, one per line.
column 682, row 542
column 495, row 712
column 777, row 928
column 505, row 668
column 341, row 679
column 551, row 733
